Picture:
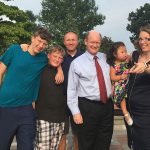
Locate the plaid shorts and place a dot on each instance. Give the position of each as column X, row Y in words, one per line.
column 48, row 135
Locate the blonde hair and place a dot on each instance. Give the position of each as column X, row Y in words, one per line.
column 56, row 48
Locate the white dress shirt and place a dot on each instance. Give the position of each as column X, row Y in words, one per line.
column 83, row 82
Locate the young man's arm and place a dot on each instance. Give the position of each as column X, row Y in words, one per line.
column 33, row 105
column 2, row 71
column 59, row 78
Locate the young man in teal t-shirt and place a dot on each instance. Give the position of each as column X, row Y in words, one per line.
column 19, row 89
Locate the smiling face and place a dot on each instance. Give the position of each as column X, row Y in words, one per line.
column 38, row 44
column 71, row 41
column 144, row 41
column 55, row 58
column 93, row 42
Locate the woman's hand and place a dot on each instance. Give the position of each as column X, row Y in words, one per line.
column 138, row 68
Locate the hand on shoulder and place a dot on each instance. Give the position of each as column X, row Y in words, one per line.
column 24, row 47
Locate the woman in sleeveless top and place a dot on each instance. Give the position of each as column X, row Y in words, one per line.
column 139, row 93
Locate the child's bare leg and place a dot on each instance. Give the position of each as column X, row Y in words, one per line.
column 62, row 144
column 123, row 107
column 75, row 142
column 126, row 113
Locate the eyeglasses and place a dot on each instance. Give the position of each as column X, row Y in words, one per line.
column 144, row 39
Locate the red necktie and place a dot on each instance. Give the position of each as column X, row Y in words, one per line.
column 101, row 81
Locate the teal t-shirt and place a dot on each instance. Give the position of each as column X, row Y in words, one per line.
column 21, row 82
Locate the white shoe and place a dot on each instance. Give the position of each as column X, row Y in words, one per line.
column 128, row 119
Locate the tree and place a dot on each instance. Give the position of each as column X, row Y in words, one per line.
column 60, row 16
column 106, row 44
column 16, row 26
column 137, row 19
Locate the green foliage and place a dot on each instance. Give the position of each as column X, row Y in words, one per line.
column 32, row 17
column 137, row 19
column 106, row 44
column 61, row 16
column 16, row 26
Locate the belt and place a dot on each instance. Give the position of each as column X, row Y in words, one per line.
column 92, row 101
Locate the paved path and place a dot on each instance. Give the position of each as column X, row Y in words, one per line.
column 119, row 141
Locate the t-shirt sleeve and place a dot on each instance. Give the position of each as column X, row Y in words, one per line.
column 7, row 57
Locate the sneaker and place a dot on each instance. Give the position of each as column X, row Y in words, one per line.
column 128, row 119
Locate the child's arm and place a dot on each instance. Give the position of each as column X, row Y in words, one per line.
column 59, row 78
column 128, row 58
column 115, row 77
column 24, row 47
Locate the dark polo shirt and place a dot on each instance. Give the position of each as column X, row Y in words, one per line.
column 66, row 65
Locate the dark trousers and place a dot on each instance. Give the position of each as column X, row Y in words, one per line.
column 96, row 131
column 141, row 138
column 19, row 122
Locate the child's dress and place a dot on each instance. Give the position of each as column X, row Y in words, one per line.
column 119, row 87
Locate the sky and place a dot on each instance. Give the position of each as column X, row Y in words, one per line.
column 115, row 11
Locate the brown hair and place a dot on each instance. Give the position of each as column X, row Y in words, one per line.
column 145, row 28
column 43, row 33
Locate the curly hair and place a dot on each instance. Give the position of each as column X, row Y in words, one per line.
column 113, row 50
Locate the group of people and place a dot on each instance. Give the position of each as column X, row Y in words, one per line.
column 34, row 97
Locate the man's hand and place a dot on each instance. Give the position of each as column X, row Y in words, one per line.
column 33, row 105
column 78, row 118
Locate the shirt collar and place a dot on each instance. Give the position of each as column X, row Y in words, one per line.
column 77, row 54
column 90, row 56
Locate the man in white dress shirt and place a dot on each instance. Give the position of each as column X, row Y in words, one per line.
column 93, row 118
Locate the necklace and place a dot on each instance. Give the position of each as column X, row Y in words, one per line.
column 144, row 58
